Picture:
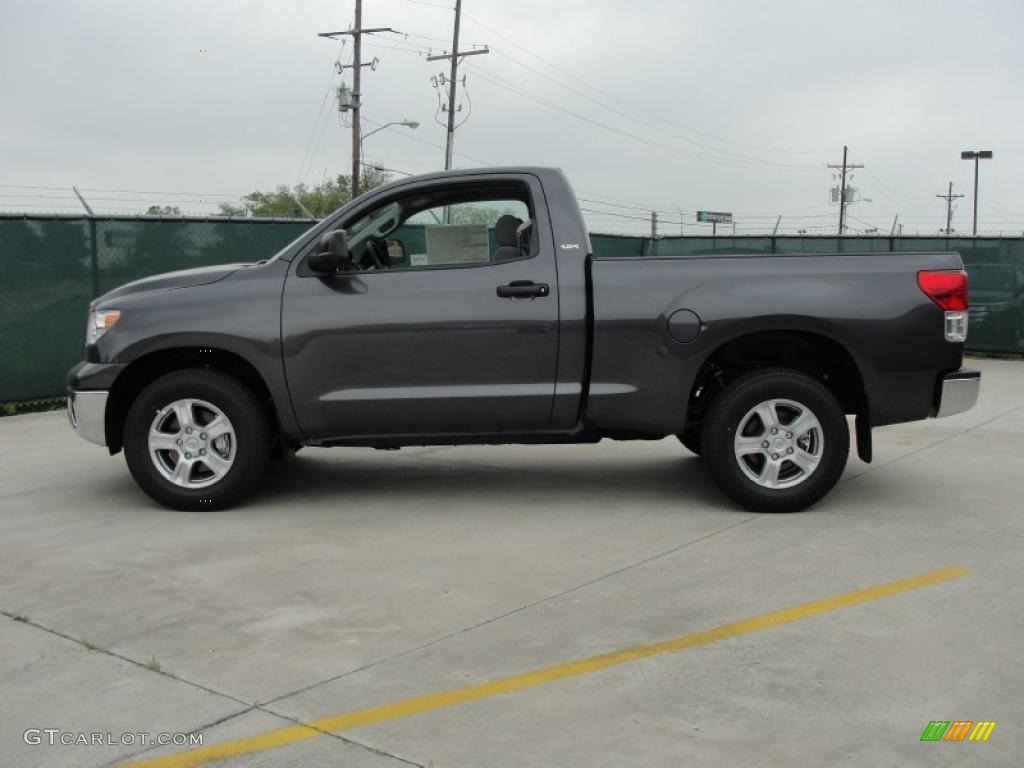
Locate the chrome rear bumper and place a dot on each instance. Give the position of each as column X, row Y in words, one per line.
column 87, row 412
column 958, row 392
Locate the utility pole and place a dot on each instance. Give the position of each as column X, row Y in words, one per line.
column 357, row 65
column 976, row 155
column 654, row 224
column 453, row 81
column 357, row 94
column 949, row 197
column 842, row 188
column 895, row 219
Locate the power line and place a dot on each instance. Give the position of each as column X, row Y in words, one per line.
column 897, row 196
column 419, row 52
column 646, row 208
column 633, row 203
column 307, row 155
column 645, row 123
column 430, row 5
column 617, row 215
column 24, row 186
column 507, row 86
column 424, row 37
column 618, row 98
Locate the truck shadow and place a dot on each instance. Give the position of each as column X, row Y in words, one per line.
column 429, row 479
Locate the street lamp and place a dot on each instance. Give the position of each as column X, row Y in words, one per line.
column 382, row 169
column 976, row 155
column 407, row 123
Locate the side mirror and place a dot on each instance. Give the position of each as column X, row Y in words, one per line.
column 396, row 252
column 332, row 256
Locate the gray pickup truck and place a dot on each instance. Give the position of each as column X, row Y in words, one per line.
column 468, row 308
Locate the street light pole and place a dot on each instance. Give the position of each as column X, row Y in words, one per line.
column 976, row 155
column 407, row 123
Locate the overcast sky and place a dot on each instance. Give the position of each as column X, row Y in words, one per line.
column 727, row 105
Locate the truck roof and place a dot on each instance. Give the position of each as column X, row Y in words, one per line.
column 538, row 170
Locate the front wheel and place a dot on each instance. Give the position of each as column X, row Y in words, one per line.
column 196, row 440
column 776, row 440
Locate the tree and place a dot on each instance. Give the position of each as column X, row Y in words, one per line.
column 163, row 210
column 319, row 200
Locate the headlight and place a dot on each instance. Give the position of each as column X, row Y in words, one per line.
column 100, row 321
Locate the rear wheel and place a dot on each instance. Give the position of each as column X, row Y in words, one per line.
column 776, row 440
column 196, row 440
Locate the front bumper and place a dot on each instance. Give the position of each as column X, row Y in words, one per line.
column 87, row 412
column 958, row 392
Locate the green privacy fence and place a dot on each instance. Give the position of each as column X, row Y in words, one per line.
column 52, row 266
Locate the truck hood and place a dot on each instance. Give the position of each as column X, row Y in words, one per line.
column 183, row 278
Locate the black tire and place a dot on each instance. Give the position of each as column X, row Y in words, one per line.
column 691, row 440
column 251, row 443
column 732, row 406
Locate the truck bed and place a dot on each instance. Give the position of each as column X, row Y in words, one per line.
column 868, row 303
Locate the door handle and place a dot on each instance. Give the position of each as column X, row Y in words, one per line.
column 523, row 289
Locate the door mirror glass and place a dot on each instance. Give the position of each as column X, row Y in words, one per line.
column 332, row 256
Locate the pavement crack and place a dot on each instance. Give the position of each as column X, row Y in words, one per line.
column 339, row 737
column 946, row 439
column 89, row 646
column 133, row 756
column 247, row 707
column 490, row 620
column 929, row 523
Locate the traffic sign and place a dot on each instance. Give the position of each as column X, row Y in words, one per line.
column 714, row 217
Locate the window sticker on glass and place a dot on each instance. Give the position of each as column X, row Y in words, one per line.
column 457, row 244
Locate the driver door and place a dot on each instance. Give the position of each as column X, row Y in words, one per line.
column 427, row 346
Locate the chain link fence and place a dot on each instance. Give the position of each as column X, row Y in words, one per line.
column 52, row 266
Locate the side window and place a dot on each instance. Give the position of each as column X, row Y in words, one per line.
column 471, row 232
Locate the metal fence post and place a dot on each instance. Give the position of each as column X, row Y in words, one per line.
column 94, row 258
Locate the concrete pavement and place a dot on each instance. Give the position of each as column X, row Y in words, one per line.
column 356, row 578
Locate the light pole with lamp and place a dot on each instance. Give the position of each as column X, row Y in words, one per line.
column 407, row 123
column 976, row 155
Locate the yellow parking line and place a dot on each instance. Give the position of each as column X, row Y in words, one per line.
column 399, row 709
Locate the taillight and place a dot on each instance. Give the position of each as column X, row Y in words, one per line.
column 948, row 289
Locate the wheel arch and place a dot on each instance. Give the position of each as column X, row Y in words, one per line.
column 152, row 365
column 813, row 352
